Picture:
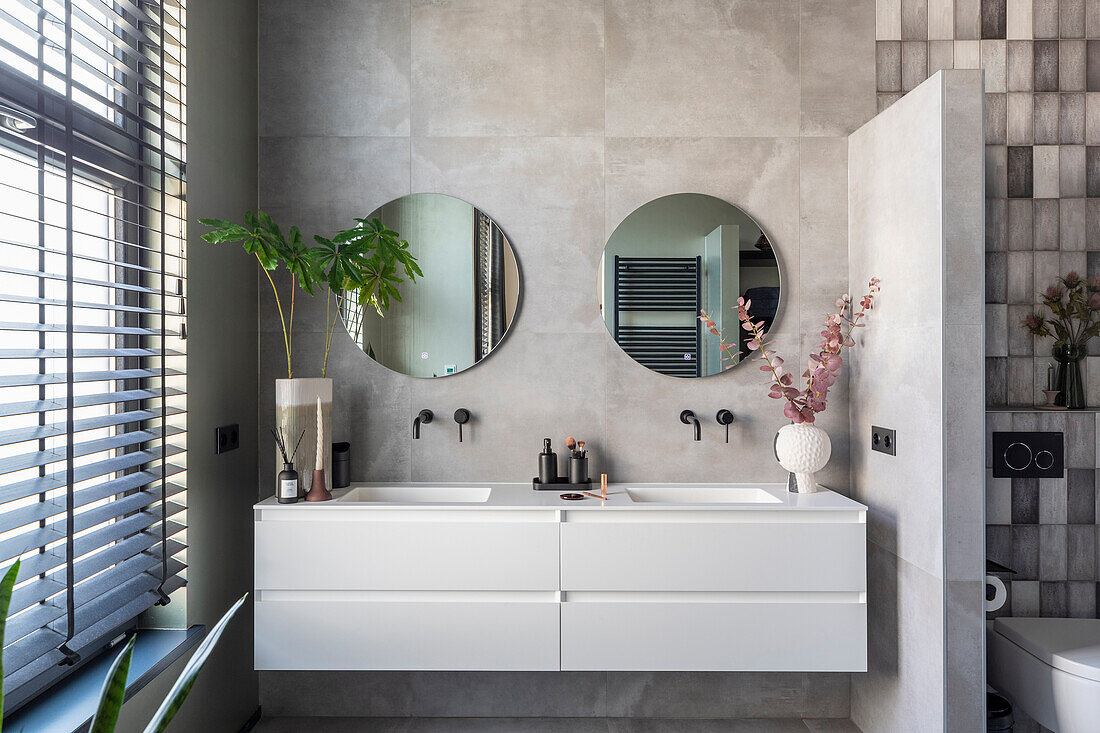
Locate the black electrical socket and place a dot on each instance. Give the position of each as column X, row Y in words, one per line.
column 884, row 440
column 228, row 437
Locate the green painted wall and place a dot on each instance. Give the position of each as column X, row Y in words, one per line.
column 223, row 368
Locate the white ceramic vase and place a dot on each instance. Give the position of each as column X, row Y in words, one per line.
column 295, row 411
column 803, row 449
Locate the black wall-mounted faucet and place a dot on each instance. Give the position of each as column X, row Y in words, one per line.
column 687, row 417
column 423, row 418
column 462, row 416
column 725, row 417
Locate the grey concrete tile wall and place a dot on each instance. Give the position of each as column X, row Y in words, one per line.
column 925, row 520
column 1049, row 225
column 558, row 119
column 1048, row 120
column 1046, row 529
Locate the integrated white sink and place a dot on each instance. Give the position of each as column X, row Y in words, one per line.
column 418, row 494
column 702, row 495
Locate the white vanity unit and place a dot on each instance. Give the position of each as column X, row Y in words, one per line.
column 500, row 577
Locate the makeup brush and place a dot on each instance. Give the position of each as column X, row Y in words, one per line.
column 580, row 447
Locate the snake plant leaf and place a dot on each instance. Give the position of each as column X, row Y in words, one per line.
column 6, row 586
column 113, row 693
column 186, row 680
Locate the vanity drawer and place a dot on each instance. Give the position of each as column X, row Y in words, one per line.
column 704, row 636
column 427, row 634
column 364, row 554
column 670, row 555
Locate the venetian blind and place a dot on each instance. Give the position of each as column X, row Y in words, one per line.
column 92, row 323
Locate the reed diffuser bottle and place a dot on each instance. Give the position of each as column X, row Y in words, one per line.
column 287, row 488
column 287, row 492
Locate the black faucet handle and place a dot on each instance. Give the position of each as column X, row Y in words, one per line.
column 462, row 416
column 725, row 417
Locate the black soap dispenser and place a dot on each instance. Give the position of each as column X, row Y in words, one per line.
column 548, row 464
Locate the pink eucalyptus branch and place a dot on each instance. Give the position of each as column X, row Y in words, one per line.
column 823, row 367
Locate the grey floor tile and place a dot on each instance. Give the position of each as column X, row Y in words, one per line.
column 332, row 725
column 684, row 725
column 832, row 725
column 551, row 725
column 508, row 725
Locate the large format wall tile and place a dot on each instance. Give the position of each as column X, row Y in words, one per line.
column 558, row 120
column 716, row 68
column 838, row 63
column 538, row 385
column 904, row 687
column 546, row 194
column 915, row 212
column 338, row 67
column 323, row 183
column 760, row 175
column 502, row 67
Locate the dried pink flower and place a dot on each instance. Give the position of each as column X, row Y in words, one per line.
column 803, row 405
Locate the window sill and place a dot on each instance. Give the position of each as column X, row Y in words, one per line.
column 69, row 707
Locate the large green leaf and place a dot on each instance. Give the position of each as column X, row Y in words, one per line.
column 259, row 236
column 113, row 693
column 186, row 680
column 6, row 586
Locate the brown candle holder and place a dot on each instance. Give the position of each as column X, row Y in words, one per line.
column 318, row 491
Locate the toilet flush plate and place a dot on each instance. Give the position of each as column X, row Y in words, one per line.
column 1028, row 455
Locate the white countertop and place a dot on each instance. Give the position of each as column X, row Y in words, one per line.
column 522, row 496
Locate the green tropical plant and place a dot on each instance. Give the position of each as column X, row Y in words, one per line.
column 261, row 236
column 6, row 586
column 113, row 693
column 114, row 686
column 363, row 261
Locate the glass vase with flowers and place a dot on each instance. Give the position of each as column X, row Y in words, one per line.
column 1074, row 318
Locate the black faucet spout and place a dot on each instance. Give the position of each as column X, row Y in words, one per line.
column 423, row 418
column 687, row 417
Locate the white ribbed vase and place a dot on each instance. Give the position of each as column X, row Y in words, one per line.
column 803, row 449
column 295, row 411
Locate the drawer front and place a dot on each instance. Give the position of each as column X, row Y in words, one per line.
column 759, row 637
column 701, row 556
column 429, row 635
column 406, row 555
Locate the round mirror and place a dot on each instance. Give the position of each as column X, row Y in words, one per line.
column 453, row 315
column 670, row 260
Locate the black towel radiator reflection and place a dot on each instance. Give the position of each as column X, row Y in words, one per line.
column 660, row 284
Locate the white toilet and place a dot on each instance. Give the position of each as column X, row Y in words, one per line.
column 1050, row 667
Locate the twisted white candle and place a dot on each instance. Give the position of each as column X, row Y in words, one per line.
column 320, row 438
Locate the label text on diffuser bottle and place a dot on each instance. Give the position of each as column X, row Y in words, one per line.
column 288, row 488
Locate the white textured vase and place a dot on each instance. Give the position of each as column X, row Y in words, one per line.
column 803, row 449
column 296, row 410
